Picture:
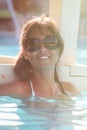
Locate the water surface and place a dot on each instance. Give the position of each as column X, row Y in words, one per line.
column 43, row 114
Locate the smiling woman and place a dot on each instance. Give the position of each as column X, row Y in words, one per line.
column 35, row 68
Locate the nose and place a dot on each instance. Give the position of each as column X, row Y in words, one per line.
column 42, row 47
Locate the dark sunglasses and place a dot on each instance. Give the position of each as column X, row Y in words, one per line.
column 50, row 42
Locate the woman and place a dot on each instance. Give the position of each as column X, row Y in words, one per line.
column 41, row 49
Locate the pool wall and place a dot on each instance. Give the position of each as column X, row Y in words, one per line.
column 75, row 74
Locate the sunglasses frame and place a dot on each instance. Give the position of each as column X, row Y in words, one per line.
column 50, row 42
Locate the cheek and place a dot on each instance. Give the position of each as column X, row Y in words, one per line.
column 56, row 54
column 32, row 57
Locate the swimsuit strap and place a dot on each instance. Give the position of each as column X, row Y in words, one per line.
column 68, row 93
column 33, row 92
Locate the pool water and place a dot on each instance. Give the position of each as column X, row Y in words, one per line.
column 81, row 57
column 9, row 50
column 9, row 44
column 43, row 114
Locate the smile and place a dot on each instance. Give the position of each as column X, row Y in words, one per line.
column 44, row 57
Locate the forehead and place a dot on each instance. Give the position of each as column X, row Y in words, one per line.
column 41, row 33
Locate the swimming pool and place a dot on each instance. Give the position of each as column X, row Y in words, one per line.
column 9, row 44
column 43, row 114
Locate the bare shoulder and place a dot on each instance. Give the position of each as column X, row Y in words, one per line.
column 71, row 88
column 23, row 88
column 16, row 89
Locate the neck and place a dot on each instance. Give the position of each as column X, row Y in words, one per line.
column 43, row 75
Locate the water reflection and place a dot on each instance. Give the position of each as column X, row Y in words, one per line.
column 43, row 114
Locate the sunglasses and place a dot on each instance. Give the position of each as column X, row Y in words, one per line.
column 50, row 42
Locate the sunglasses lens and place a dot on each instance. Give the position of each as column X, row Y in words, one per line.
column 51, row 42
column 33, row 45
column 51, row 45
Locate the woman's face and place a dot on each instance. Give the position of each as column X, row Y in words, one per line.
column 39, row 54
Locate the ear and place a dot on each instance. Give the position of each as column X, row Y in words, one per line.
column 24, row 53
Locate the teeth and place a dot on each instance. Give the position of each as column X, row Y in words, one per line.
column 44, row 57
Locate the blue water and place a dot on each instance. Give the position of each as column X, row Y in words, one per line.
column 43, row 114
column 81, row 57
column 9, row 45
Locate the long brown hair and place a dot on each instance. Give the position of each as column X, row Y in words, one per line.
column 22, row 66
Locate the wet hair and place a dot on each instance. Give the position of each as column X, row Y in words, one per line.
column 22, row 66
